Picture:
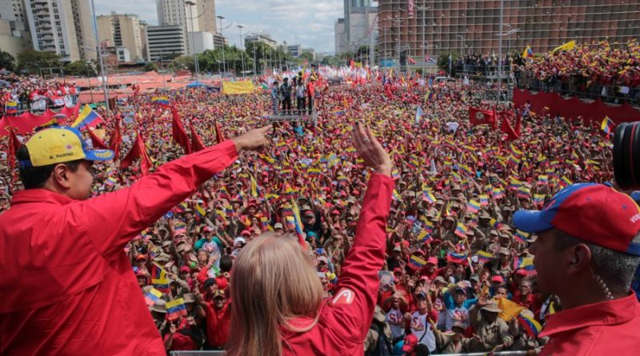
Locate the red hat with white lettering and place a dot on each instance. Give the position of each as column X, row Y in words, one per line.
column 594, row 213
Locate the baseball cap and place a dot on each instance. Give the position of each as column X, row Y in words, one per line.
column 594, row 213
column 58, row 145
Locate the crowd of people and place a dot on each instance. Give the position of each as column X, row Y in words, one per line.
column 19, row 93
column 458, row 276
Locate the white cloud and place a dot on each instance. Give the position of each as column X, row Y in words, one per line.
column 307, row 22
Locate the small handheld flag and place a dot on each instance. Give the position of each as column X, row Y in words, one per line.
column 152, row 296
column 456, row 258
column 461, row 230
column 417, row 261
column 160, row 100
column 86, row 117
column 607, row 125
column 530, row 325
column 176, row 308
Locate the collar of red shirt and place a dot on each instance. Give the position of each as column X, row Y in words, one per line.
column 39, row 196
column 612, row 312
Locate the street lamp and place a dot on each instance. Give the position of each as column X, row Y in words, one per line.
column 224, row 63
column 242, row 44
column 102, row 74
column 191, row 39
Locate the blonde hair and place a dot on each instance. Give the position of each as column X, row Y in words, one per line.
column 273, row 281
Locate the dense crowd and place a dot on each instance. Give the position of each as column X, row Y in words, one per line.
column 18, row 93
column 458, row 277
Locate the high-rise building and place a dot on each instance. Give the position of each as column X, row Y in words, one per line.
column 14, row 31
column 117, row 30
column 176, row 12
column 420, row 28
column 207, row 16
column 294, row 50
column 63, row 27
column 340, row 39
column 359, row 24
column 166, row 42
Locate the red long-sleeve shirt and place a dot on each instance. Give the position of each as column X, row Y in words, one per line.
column 344, row 320
column 67, row 286
column 605, row 328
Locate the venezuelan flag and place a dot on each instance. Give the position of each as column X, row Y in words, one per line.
column 428, row 196
column 467, row 169
column 527, row 52
column 314, row 171
column 525, row 263
column 200, row 211
column 152, row 296
column 523, row 192
column 396, row 195
column 566, row 180
column 565, row 47
column 543, row 179
column 111, row 181
column 607, row 125
column 538, row 199
column 160, row 100
column 484, row 256
column 461, row 230
column 176, row 308
column 424, row 235
column 495, row 223
column 521, row 236
column 180, row 228
column 159, row 278
column 530, row 325
column 484, row 199
column 86, row 117
column 417, row 261
column 298, row 222
column 11, row 107
column 456, row 258
column 497, row 192
column 473, row 206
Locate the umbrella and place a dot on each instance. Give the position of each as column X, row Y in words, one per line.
column 196, row 84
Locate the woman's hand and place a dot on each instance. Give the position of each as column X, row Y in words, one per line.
column 370, row 150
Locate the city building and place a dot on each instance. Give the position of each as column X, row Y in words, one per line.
column 310, row 50
column 294, row 50
column 175, row 12
column 359, row 24
column 14, row 31
column 166, row 42
column 122, row 31
column 63, row 27
column 258, row 37
column 123, row 54
column 207, row 16
column 201, row 41
column 219, row 40
column 427, row 28
column 340, row 40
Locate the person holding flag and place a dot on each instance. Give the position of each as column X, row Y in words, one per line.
column 69, row 288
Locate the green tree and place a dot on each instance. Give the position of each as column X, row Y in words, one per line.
column 7, row 61
column 32, row 61
column 306, row 56
column 150, row 66
column 183, row 62
column 79, row 68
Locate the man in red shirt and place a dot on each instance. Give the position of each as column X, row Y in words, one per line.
column 587, row 251
column 218, row 319
column 67, row 286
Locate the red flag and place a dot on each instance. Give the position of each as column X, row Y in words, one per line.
column 219, row 133
column 518, row 124
column 138, row 150
column 482, row 117
column 179, row 133
column 196, row 141
column 116, row 137
column 14, row 146
column 506, row 127
column 96, row 141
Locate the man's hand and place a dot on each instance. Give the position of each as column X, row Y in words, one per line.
column 253, row 139
column 371, row 151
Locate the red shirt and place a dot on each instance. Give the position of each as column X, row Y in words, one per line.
column 67, row 286
column 218, row 324
column 605, row 328
column 343, row 321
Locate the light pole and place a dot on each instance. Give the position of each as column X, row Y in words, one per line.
column 191, row 39
column 243, row 49
column 224, row 63
column 500, row 49
column 102, row 73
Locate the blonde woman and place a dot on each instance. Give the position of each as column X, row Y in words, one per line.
column 277, row 306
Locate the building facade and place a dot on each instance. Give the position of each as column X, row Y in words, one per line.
column 14, row 30
column 122, row 31
column 340, row 37
column 207, row 16
column 264, row 38
column 166, row 42
column 201, row 41
column 294, row 50
column 427, row 28
column 359, row 25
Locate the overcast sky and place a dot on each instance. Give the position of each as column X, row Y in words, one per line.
column 306, row 22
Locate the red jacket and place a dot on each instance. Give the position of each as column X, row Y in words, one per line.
column 344, row 321
column 218, row 324
column 606, row 328
column 67, row 286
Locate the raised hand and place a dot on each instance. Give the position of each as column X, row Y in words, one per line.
column 371, row 151
column 253, row 139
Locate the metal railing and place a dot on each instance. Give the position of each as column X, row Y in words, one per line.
column 221, row 353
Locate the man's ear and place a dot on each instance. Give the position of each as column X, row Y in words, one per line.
column 60, row 175
column 578, row 258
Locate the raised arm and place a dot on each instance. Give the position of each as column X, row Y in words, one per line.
column 114, row 218
column 355, row 300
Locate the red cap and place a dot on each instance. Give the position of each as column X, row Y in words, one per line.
column 594, row 213
column 497, row 279
column 410, row 342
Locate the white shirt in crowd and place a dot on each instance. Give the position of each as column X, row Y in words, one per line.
column 421, row 328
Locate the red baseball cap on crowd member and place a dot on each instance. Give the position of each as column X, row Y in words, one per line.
column 433, row 260
column 497, row 279
column 410, row 342
column 593, row 213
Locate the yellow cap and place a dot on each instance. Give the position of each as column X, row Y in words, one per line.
column 61, row 144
